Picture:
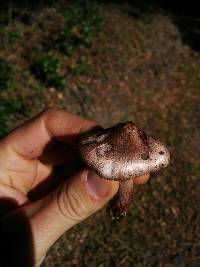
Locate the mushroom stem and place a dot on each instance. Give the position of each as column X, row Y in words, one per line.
column 119, row 205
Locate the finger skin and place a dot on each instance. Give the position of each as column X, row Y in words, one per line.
column 68, row 205
column 30, row 139
column 141, row 179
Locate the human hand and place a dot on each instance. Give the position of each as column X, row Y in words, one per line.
column 28, row 157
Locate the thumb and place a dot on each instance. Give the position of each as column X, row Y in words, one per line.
column 83, row 195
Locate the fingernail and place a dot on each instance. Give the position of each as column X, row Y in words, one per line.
column 97, row 187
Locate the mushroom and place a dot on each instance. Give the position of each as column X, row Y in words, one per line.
column 121, row 153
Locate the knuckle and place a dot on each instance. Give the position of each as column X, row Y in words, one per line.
column 70, row 204
column 51, row 111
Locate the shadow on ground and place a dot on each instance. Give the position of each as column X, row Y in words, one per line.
column 185, row 15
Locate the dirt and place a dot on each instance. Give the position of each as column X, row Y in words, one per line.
column 142, row 71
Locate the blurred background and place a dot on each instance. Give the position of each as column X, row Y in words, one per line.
column 113, row 61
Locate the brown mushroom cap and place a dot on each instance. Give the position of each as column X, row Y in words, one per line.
column 122, row 152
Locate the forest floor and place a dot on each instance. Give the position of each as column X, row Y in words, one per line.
column 133, row 67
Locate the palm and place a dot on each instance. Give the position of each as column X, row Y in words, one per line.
column 31, row 152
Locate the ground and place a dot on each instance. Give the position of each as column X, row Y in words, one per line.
column 139, row 69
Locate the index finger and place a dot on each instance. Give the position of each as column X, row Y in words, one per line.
column 30, row 139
